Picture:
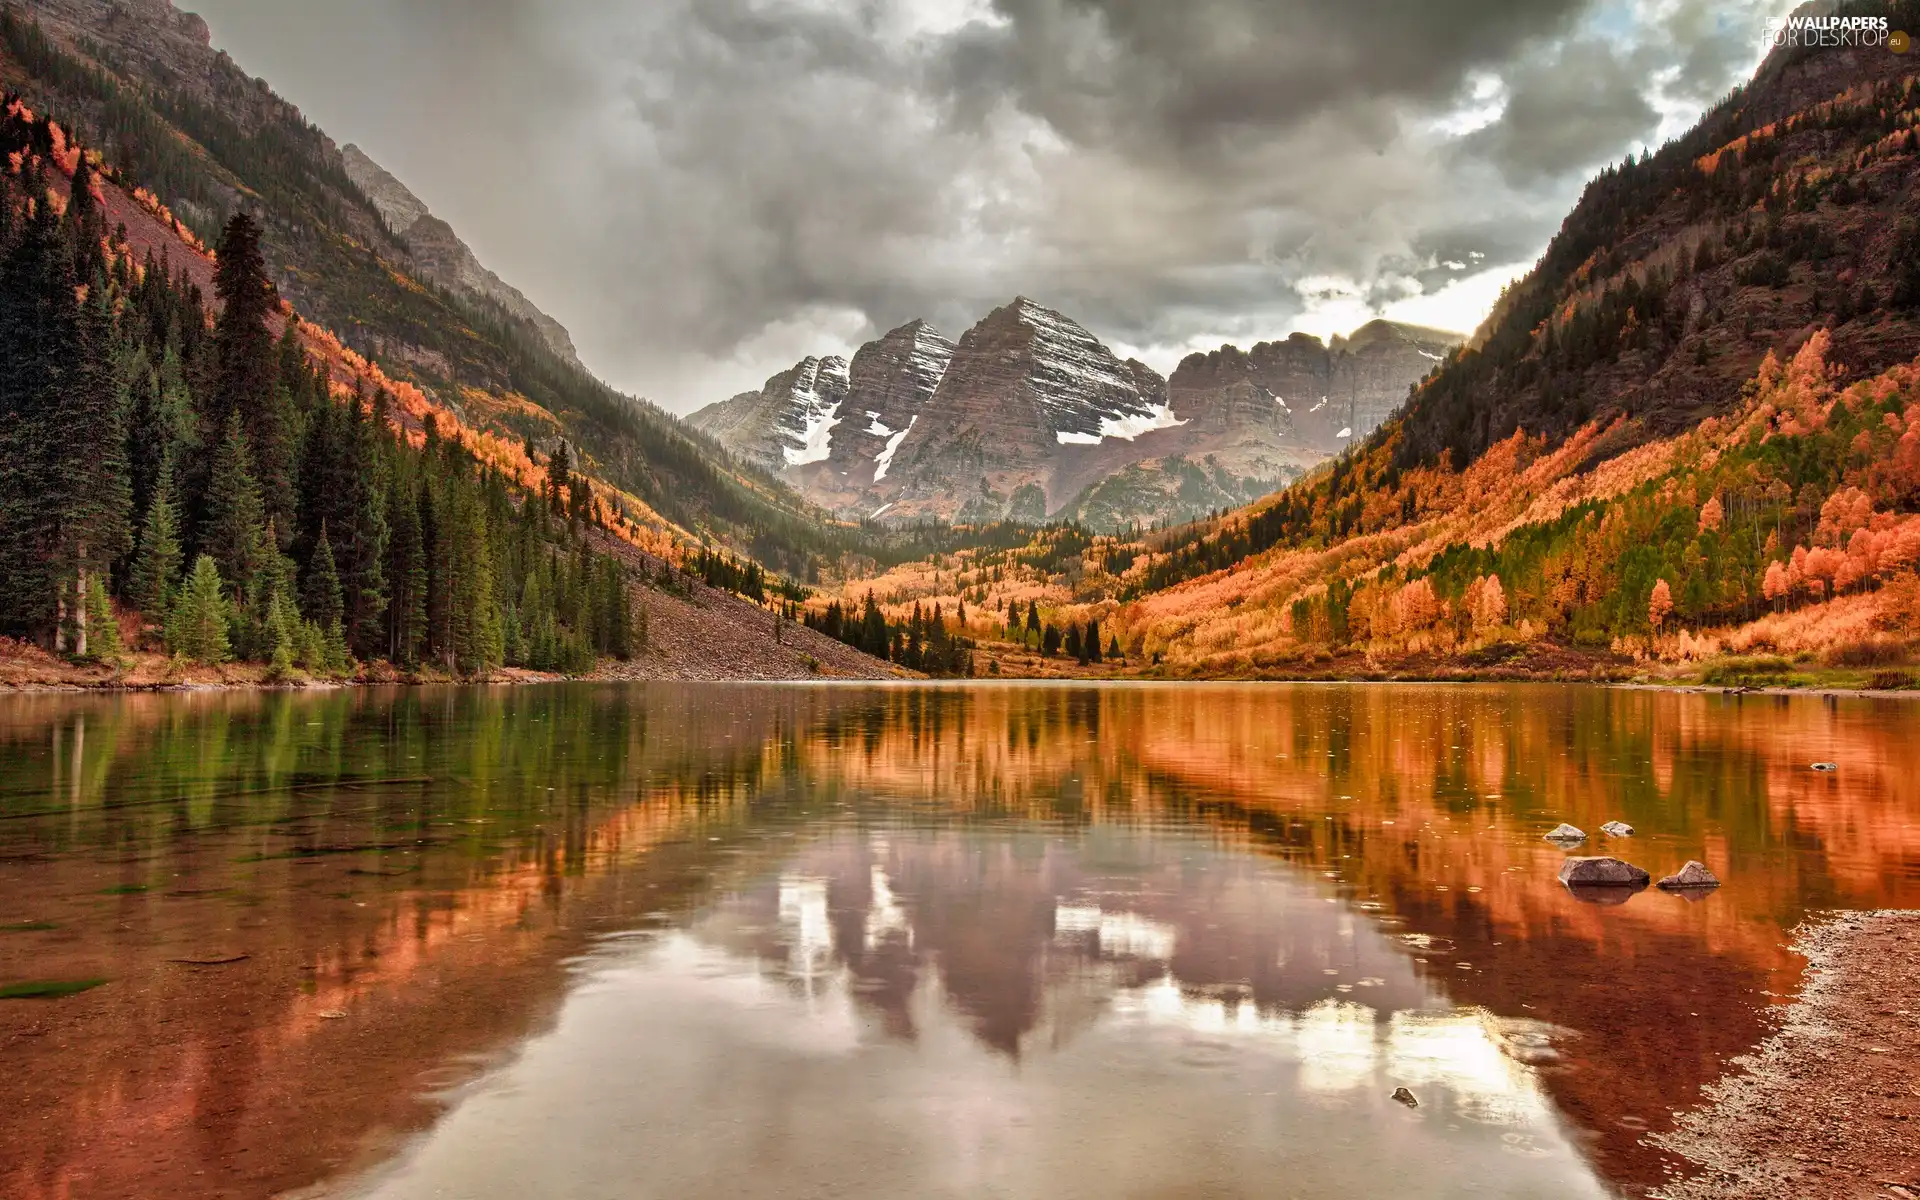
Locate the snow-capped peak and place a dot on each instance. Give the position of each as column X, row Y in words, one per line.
column 816, row 390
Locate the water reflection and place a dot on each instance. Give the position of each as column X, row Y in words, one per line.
column 898, row 1011
column 902, row 941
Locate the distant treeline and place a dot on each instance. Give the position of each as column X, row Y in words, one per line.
column 922, row 642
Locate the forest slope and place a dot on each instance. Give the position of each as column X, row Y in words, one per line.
column 186, row 124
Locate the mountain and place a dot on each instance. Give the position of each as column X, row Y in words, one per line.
column 1030, row 416
column 1781, row 212
column 789, row 422
column 179, row 120
column 238, row 497
column 1686, row 443
column 1322, row 396
column 440, row 254
column 1252, row 421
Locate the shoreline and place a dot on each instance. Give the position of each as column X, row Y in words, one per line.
column 76, row 683
column 1828, row 1105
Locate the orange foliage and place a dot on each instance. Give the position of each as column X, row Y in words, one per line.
column 1712, row 515
column 1660, row 604
column 66, row 155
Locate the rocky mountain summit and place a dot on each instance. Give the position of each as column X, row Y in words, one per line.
column 1030, row 416
column 1322, row 395
column 788, row 423
column 439, row 253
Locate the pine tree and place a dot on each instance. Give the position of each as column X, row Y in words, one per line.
column 94, row 497
column 156, row 564
column 40, row 329
column 1092, row 641
column 197, row 627
column 234, row 531
column 88, row 223
column 478, row 642
column 282, row 636
column 105, row 643
column 873, row 630
column 433, row 552
column 320, row 592
column 407, row 574
column 560, row 478
column 246, row 363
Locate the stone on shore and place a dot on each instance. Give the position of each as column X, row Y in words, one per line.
column 1693, row 875
column 1602, row 872
column 1566, row 833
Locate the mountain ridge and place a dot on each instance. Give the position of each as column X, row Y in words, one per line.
column 179, row 119
column 442, row 255
column 1030, row 417
column 1685, row 446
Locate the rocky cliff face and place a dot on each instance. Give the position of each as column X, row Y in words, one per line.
column 1030, row 416
column 439, row 253
column 1028, row 389
column 1308, row 393
column 787, row 424
column 891, row 382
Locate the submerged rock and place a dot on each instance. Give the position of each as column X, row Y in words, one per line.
column 1602, row 872
column 1405, row 1097
column 1566, row 833
column 1617, row 829
column 1693, row 875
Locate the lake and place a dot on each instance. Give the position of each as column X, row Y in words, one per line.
column 589, row 941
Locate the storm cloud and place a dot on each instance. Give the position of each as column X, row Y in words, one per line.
column 705, row 190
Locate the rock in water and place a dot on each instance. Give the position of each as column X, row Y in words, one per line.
column 1617, row 829
column 1405, row 1097
column 1566, row 833
column 1693, row 875
column 1608, row 896
column 1601, row 872
column 1826, row 766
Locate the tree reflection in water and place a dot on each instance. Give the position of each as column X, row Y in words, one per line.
column 1316, row 892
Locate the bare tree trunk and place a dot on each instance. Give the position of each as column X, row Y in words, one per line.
column 80, row 612
column 60, row 619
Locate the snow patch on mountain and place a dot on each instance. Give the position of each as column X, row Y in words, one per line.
column 884, row 460
column 812, row 410
column 1126, row 428
column 1085, row 393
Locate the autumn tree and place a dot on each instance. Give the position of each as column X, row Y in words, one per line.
column 1660, row 605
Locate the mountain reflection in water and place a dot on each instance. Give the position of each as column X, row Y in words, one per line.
column 981, row 1012
column 1015, row 941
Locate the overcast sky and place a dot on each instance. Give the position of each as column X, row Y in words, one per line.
column 704, row 191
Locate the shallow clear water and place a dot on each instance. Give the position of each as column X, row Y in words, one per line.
column 1016, row 941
